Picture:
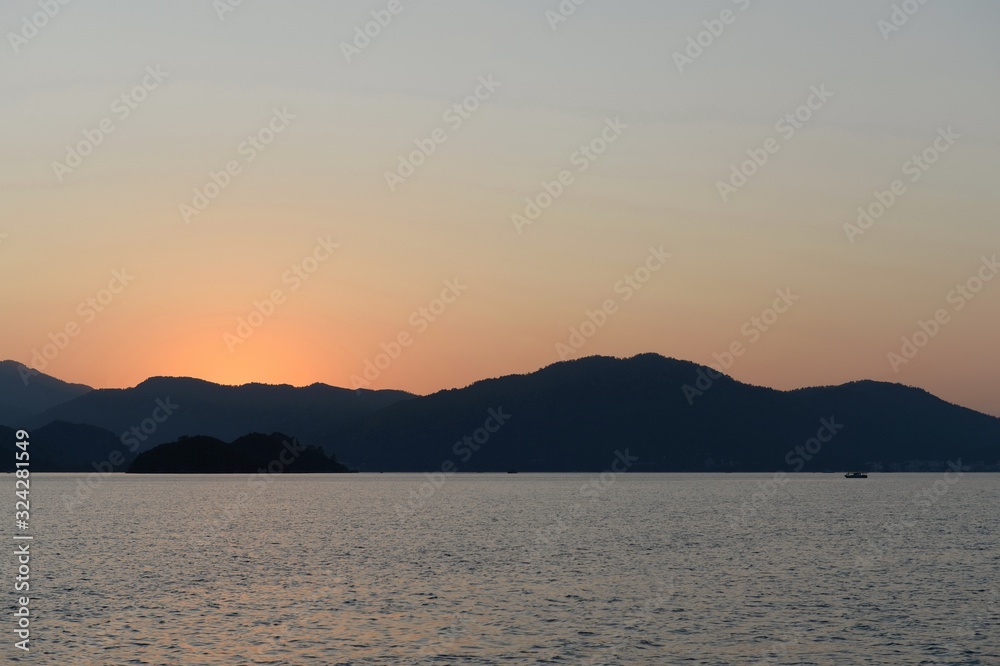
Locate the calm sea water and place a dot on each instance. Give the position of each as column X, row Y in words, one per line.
column 517, row 569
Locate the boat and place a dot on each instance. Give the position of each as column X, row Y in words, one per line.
column 855, row 475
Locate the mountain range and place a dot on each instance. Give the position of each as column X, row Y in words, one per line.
column 663, row 414
column 163, row 409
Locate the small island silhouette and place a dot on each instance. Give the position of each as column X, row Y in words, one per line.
column 254, row 453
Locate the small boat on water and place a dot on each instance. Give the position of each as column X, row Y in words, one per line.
column 855, row 475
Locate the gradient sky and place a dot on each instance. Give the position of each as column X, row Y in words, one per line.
column 656, row 185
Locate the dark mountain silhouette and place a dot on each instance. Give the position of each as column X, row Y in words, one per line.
column 162, row 409
column 25, row 392
column 574, row 416
column 254, row 453
column 69, row 447
column 570, row 416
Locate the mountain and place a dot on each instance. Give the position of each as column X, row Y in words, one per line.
column 25, row 392
column 162, row 409
column 656, row 413
column 68, row 447
column 250, row 454
column 575, row 416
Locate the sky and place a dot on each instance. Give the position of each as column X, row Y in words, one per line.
column 260, row 191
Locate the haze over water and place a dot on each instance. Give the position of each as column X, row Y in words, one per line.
column 519, row 569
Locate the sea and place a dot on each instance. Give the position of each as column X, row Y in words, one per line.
column 612, row 568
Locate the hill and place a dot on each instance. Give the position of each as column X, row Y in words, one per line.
column 68, row 447
column 575, row 415
column 25, row 392
column 251, row 454
column 162, row 409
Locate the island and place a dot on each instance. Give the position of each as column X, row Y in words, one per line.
column 255, row 453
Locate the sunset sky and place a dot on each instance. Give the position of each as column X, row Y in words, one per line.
column 309, row 118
